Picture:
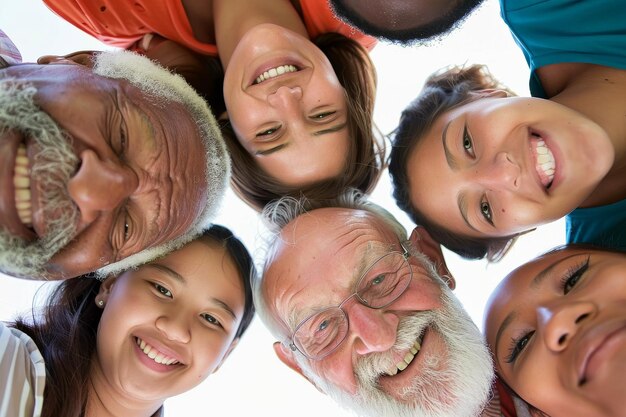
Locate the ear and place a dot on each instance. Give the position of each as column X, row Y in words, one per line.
column 234, row 343
column 105, row 289
column 423, row 242
column 84, row 58
column 286, row 356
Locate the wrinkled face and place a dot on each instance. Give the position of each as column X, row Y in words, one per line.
column 94, row 170
column 557, row 327
column 169, row 324
column 392, row 358
column 287, row 106
column 500, row 166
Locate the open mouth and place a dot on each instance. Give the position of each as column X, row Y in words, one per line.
column 275, row 72
column 154, row 354
column 408, row 357
column 21, row 182
column 545, row 164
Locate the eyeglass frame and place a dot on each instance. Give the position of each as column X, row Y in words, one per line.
column 290, row 341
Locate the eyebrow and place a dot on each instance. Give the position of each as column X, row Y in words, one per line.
column 333, row 129
column 505, row 324
column 450, row 159
column 178, row 277
column 462, row 203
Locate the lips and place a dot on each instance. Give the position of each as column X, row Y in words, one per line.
column 597, row 347
column 545, row 164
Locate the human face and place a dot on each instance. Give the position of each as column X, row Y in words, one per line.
column 395, row 354
column 186, row 307
column 500, row 166
column 129, row 185
column 557, row 327
column 293, row 119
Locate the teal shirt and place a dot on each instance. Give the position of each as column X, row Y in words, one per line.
column 601, row 226
column 584, row 31
column 557, row 31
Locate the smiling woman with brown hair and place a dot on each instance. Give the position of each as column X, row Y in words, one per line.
column 299, row 86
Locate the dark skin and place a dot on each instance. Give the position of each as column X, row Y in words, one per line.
column 133, row 184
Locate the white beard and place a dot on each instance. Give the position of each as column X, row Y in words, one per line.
column 456, row 385
column 53, row 166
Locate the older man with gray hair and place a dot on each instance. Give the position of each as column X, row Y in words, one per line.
column 105, row 165
column 367, row 315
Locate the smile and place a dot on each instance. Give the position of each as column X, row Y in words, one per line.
column 545, row 164
column 408, row 358
column 275, row 72
column 21, row 181
column 154, row 354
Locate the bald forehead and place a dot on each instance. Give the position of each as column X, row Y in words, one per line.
column 331, row 237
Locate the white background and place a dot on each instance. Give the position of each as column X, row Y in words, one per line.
column 253, row 380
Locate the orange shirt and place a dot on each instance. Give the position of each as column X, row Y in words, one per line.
column 123, row 22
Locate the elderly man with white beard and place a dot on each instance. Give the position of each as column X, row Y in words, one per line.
column 107, row 161
column 367, row 315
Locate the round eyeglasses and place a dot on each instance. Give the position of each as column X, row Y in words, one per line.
column 382, row 283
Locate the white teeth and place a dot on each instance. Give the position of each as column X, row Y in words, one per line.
column 274, row 72
column 21, row 182
column 154, row 354
column 545, row 161
column 408, row 358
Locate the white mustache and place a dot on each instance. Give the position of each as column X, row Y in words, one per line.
column 52, row 168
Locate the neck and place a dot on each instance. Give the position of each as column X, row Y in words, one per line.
column 104, row 400
column 234, row 18
column 599, row 93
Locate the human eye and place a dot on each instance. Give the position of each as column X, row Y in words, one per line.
column 485, row 210
column 162, row 290
column 468, row 143
column 123, row 137
column 573, row 275
column 211, row 319
column 518, row 344
column 125, row 223
column 323, row 115
column 268, row 132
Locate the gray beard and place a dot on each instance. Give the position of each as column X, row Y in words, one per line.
column 458, row 385
column 52, row 168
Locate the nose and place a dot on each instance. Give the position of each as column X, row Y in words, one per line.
column 502, row 172
column 285, row 97
column 375, row 330
column 174, row 327
column 100, row 185
column 560, row 322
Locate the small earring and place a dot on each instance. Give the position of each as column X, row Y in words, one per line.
column 100, row 303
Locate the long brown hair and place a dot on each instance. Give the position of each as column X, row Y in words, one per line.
column 366, row 156
column 66, row 332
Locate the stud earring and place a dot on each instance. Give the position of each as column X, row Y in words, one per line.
column 100, row 303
